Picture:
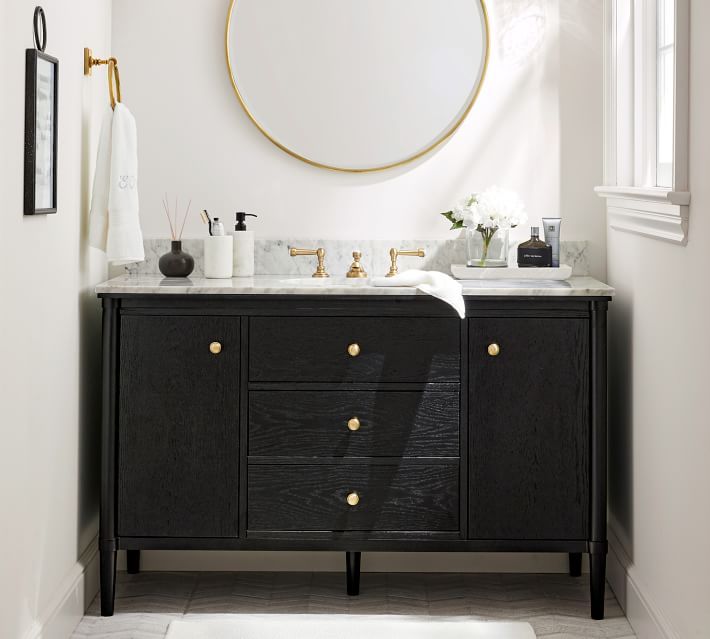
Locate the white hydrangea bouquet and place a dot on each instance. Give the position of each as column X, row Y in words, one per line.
column 488, row 217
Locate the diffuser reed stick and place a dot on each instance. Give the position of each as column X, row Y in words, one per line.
column 173, row 220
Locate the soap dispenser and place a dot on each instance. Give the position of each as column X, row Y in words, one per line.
column 243, row 247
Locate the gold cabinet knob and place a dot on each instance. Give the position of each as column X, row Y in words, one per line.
column 215, row 348
column 354, row 424
column 493, row 349
column 354, row 350
column 353, row 499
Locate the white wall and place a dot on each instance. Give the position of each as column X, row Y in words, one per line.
column 660, row 401
column 49, row 333
column 536, row 128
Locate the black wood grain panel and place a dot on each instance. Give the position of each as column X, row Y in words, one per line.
column 396, row 497
column 290, row 349
column 243, row 422
column 353, row 386
column 178, row 427
column 529, row 429
column 349, row 461
column 463, row 432
column 291, row 305
column 352, row 306
column 392, row 424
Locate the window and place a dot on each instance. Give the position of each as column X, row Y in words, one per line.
column 646, row 117
column 665, row 57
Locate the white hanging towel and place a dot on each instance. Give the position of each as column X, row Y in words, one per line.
column 114, row 224
column 432, row 283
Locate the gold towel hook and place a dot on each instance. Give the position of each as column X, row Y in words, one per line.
column 114, row 82
column 114, row 79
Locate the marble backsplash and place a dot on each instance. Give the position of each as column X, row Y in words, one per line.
column 272, row 257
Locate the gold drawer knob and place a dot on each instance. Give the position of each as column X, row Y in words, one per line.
column 493, row 349
column 354, row 350
column 353, row 499
column 354, row 424
column 215, row 348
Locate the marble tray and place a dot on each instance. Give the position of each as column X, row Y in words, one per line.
column 463, row 272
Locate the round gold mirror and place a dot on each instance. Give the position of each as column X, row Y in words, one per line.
column 357, row 85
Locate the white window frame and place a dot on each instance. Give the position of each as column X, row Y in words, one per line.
column 634, row 204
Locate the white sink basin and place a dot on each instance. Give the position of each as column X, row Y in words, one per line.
column 315, row 282
column 514, row 284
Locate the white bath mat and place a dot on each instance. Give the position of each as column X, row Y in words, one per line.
column 343, row 627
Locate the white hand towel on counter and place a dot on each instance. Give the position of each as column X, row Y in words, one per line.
column 114, row 225
column 432, row 283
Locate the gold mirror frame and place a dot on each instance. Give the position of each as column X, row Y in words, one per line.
column 445, row 136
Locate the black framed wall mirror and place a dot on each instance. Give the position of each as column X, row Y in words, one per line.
column 41, row 115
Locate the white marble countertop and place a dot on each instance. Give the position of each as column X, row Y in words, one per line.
column 294, row 285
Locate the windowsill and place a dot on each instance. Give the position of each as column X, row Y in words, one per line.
column 647, row 193
column 649, row 211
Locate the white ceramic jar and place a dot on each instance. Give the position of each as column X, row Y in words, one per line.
column 218, row 257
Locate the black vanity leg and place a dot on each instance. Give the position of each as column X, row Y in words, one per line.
column 108, row 581
column 133, row 562
column 575, row 564
column 597, row 582
column 352, row 563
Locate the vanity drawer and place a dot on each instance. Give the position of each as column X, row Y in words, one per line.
column 402, row 497
column 354, row 423
column 354, row 349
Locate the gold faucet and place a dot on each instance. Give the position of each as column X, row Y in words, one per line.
column 356, row 269
column 394, row 253
column 319, row 253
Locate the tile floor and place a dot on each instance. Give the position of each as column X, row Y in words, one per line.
column 557, row 606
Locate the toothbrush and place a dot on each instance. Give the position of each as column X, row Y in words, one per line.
column 206, row 219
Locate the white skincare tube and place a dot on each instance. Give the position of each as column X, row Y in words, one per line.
column 218, row 257
column 551, row 225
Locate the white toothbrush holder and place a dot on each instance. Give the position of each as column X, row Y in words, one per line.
column 218, row 257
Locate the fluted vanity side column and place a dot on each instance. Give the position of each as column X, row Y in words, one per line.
column 107, row 523
column 598, row 536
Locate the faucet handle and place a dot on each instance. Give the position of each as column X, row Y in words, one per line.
column 395, row 253
column 319, row 253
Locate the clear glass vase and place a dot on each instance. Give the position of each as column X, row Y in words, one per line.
column 487, row 247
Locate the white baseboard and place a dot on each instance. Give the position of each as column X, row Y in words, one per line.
column 301, row 561
column 71, row 600
column 643, row 614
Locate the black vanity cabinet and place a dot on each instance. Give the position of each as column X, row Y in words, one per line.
column 354, row 423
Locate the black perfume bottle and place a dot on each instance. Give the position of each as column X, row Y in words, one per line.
column 534, row 252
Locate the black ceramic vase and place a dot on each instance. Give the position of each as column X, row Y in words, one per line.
column 177, row 263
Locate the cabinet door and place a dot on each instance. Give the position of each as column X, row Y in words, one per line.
column 178, row 427
column 528, row 428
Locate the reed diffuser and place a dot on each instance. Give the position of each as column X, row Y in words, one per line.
column 176, row 263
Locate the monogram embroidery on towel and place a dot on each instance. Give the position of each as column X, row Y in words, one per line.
column 126, row 181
